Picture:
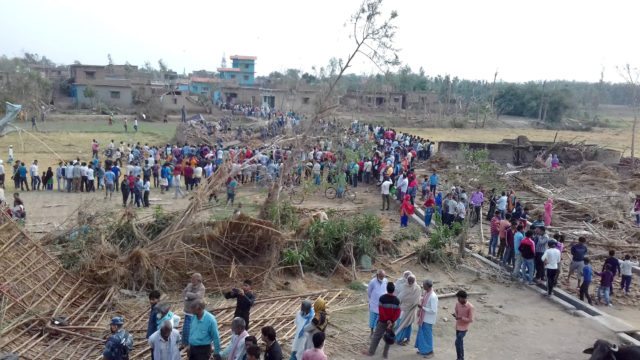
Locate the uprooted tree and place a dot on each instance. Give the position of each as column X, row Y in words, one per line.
column 373, row 35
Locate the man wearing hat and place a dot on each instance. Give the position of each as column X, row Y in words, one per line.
column 118, row 345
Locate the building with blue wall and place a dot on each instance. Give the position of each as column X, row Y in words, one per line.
column 242, row 70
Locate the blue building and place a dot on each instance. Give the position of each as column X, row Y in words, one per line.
column 242, row 70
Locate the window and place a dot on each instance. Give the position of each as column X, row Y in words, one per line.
column 305, row 100
column 90, row 74
column 246, row 66
column 175, row 101
column 115, row 94
column 1, row 78
column 205, row 89
column 246, row 78
column 396, row 99
column 233, row 76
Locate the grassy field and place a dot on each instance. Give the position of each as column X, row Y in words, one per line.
column 72, row 138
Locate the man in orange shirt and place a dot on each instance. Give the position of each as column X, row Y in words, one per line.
column 464, row 314
column 503, row 225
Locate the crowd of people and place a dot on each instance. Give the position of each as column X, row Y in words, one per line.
column 200, row 331
column 386, row 158
column 395, row 307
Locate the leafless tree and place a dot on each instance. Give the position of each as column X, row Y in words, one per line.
column 631, row 76
column 373, row 36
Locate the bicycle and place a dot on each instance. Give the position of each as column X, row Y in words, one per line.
column 331, row 193
column 295, row 197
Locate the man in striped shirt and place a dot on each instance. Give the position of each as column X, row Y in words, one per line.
column 389, row 308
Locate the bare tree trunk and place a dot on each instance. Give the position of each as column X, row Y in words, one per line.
column 541, row 101
column 633, row 137
column 493, row 95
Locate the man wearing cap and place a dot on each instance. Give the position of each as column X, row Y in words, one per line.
column 118, row 345
column 426, row 319
column 203, row 331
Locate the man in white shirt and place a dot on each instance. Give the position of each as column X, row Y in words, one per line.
column 384, row 190
column 377, row 287
column 427, row 314
column 461, row 210
column 551, row 258
column 35, row 177
column 316, row 172
column 366, row 171
column 164, row 343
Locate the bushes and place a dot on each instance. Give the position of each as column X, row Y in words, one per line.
column 434, row 250
column 283, row 215
column 410, row 233
column 338, row 241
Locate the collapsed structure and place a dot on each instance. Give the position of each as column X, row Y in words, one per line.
column 521, row 151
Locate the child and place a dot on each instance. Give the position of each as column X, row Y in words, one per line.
column 425, row 187
column 253, row 353
column 584, row 288
column 606, row 279
column 626, row 271
column 523, row 218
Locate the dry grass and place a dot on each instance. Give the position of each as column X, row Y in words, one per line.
column 72, row 138
column 618, row 139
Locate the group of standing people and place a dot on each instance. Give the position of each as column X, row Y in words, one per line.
column 394, row 308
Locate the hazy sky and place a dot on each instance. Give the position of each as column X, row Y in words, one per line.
column 522, row 39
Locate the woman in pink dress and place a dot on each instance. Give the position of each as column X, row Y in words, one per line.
column 548, row 211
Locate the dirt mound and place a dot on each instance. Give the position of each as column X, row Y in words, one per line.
column 594, row 169
column 438, row 161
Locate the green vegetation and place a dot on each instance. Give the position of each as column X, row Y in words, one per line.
column 337, row 242
column 435, row 249
column 410, row 233
column 357, row 286
column 284, row 216
column 484, row 169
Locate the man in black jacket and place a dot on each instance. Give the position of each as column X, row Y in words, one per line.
column 273, row 350
column 245, row 299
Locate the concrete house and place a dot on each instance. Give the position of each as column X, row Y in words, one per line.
column 111, row 83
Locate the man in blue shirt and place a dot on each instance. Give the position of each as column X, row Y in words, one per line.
column 433, row 182
column 517, row 238
column 203, row 331
column 578, row 251
column 584, row 288
column 116, row 172
column 154, row 297
column 22, row 173
column 120, row 344
column 110, row 181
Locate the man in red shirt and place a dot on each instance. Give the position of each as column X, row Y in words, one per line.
column 528, row 252
column 464, row 314
column 389, row 309
column 495, row 232
column 188, row 177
